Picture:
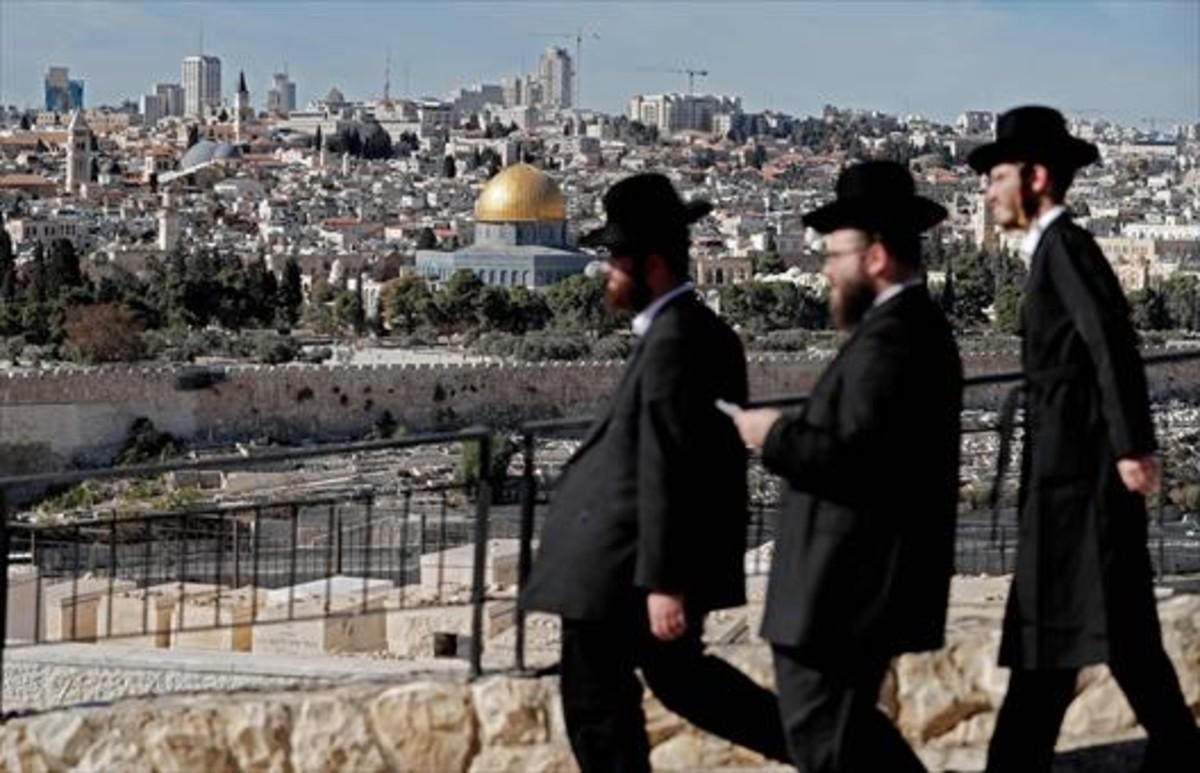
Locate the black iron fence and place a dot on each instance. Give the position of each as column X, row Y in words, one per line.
column 369, row 559
column 226, row 576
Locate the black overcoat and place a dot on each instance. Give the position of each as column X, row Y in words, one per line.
column 655, row 496
column 1083, row 573
column 864, row 548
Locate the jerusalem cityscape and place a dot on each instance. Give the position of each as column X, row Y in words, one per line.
column 556, row 386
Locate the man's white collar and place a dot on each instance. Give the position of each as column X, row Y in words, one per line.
column 642, row 322
column 1030, row 243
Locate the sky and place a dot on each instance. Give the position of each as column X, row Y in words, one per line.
column 1135, row 62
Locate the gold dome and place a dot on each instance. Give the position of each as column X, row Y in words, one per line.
column 520, row 192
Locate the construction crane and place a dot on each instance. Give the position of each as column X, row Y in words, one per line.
column 688, row 71
column 578, row 36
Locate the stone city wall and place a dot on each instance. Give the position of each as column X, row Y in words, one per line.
column 51, row 419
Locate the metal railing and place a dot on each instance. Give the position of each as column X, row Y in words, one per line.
column 171, row 578
column 977, row 549
column 177, row 578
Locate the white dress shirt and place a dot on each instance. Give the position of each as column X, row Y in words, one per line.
column 645, row 318
column 894, row 290
column 1033, row 237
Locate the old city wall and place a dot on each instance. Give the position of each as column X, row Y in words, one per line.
column 51, row 419
column 54, row 418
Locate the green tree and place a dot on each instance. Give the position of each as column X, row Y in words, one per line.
column 768, row 263
column 577, row 304
column 459, row 300
column 348, row 312
column 406, row 303
column 291, row 292
column 8, row 267
column 1149, row 310
column 528, row 310
column 494, row 309
column 1180, row 297
column 449, row 168
column 427, row 239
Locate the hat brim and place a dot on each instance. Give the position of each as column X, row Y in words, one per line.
column 913, row 215
column 1074, row 151
column 612, row 233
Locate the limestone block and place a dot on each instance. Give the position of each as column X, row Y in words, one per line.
column 331, row 733
column 258, row 736
column 425, row 726
column 316, row 629
column 21, row 612
column 187, row 739
column 141, row 617
column 410, row 631
column 512, row 712
column 20, row 751
column 541, row 758
column 697, row 751
column 933, row 695
column 64, row 736
column 70, row 608
column 455, row 566
column 1099, row 708
column 220, row 621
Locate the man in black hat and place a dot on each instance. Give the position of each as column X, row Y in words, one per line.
column 1082, row 592
column 865, row 541
column 647, row 527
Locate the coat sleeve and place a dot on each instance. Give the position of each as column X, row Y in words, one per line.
column 829, row 457
column 673, row 428
column 1099, row 312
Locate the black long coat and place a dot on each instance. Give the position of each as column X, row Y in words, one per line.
column 1083, row 573
column 655, row 497
column 864, row 548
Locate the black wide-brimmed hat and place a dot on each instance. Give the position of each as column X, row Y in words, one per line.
column 1033, row 133
column 876, row 196
column 642, row 211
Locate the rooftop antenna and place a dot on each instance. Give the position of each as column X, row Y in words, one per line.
column 201, row 38
column 407, row 84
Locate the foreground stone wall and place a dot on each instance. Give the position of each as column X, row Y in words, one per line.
column 944, row 703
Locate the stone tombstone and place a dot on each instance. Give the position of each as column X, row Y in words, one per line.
column 141, row 617
column 70, row 608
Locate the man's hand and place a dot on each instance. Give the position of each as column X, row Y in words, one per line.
column 667, row 620
column 754, row 425
column 1139, row 474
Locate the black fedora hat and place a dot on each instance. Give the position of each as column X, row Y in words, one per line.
column 642, row 210
column 1033, row 133
column 876, row 196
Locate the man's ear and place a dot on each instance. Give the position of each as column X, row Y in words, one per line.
column 1039, row 179
column 876, row 260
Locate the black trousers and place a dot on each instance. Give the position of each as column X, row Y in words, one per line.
column 1028, row 723
column 832, row 721
column 602, row 697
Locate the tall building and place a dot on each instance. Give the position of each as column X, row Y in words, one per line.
column 170, row 96
column 151, row 108
column 79, row 152
column 514, row 92
column 682, row 112
column 201, row 84
column 62, row 94
column 555, row 71
column 281, row 99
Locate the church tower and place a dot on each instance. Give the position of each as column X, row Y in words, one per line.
column 79, row 152
column 241, row 108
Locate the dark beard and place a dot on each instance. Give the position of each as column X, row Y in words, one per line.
column 856, row 301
